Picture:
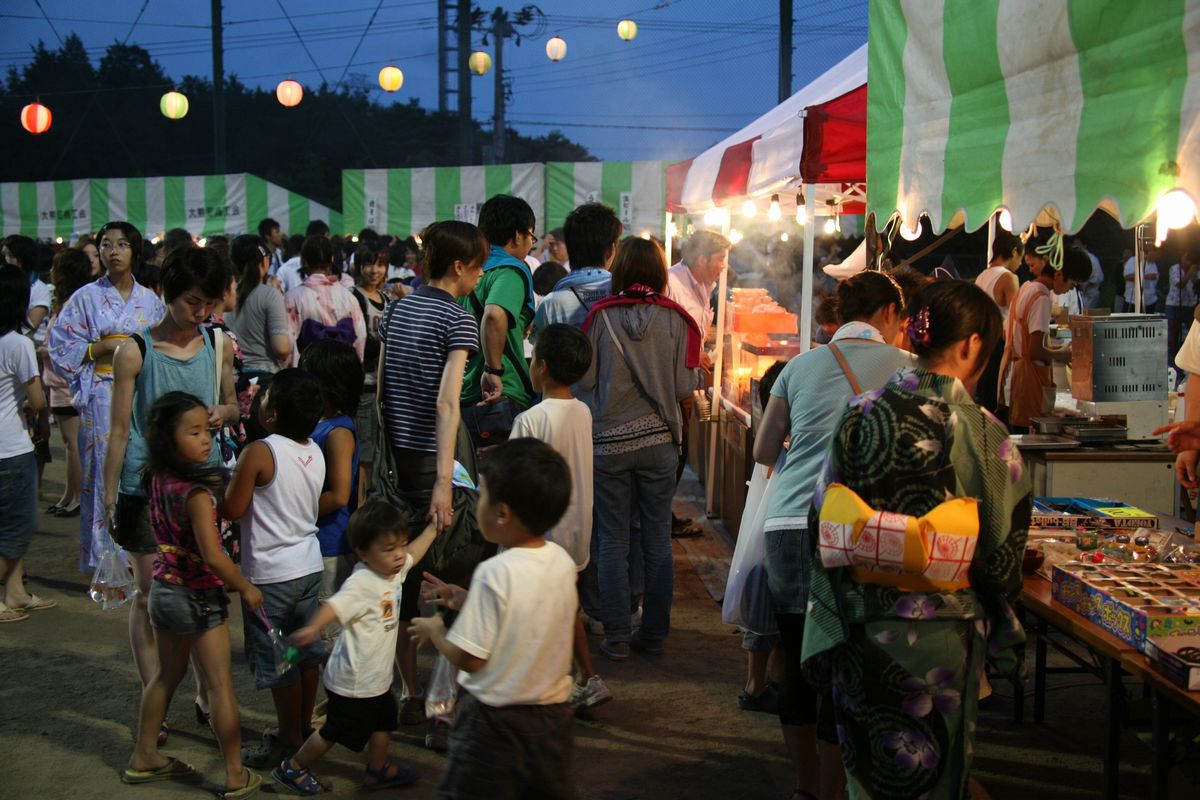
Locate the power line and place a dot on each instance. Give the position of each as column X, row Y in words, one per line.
column 622, row 127
column 360, row 41
column 48, row 22
column 136, row 20
column 300, row 39
column 106, row 22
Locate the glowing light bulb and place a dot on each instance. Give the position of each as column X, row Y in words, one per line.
column 202, row 241
column 801, row 215
column 354, row 239
column 1175, row 210
column 646, row 235
column 783, row 237
column 672, row 229
column 911, row 234
column 735, row 236
column 830, row 226
column 749, row 210
column 1005, row 219
column 774, row 213
column 58, row 240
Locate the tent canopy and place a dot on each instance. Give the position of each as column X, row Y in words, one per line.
column 1021, row 104
column 204, row 205
column 766, row 155
column 634, row 189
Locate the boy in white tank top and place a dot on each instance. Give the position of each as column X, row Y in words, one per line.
column 274, row 491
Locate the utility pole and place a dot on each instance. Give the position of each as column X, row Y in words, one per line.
column 785, row 49
column 466, row 138
column 443, row 82
column 501, row 29
column 218, row 84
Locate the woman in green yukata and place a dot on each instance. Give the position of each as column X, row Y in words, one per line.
column 905, row 667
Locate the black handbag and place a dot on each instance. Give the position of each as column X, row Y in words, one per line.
column 491, row 424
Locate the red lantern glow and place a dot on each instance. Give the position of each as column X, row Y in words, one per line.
column 289, row 93
column 36, row 118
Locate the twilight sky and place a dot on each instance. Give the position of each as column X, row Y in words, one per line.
column 697, row 71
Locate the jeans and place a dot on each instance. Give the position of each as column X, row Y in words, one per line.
column 652, row 471
column 18, row 504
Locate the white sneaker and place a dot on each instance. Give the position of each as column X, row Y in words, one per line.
column 594, row 693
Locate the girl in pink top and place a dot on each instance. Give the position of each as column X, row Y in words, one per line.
column 322, row 307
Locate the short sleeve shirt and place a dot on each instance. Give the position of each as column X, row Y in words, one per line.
column 368, row 609
column 1036, row 297
column 262, row 316
column 1177, row 295
column 1149, row 281
column 18, row 366
column 1188, row 357
column 39, row 297
column 178, row 559
column 504, row 287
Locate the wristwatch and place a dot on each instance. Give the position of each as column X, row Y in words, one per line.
column 493, row 370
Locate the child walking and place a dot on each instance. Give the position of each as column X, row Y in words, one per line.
column 275, row 490
column 512, row 640
column 362, row 711
column 561, row 356
column 189, row 609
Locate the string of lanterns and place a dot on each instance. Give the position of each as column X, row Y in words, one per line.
column 36, row 118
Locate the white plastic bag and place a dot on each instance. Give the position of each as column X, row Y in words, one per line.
column 747, row 600
column 112, row 583
column 441, row 696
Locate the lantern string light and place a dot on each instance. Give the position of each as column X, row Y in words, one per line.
column 480, row 62
column 774, row 213
column 173, row 105
column 289, row 93
column 627, row 29
column 36, row 118
column 390, row 78
column 749, row 210
column 556, row 48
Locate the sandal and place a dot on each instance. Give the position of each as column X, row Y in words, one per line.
column 298, row 780
column 390, row 776
column 163, row 732
column 38, row 604
column 173, row 770
column 12, row 614
column 254, row 782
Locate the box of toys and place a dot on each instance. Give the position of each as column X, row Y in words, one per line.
column 1177, row 657
column 1098, row 512
column 1132, row 601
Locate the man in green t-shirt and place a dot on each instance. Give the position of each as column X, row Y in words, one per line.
column 503, row 304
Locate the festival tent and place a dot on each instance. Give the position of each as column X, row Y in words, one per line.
column 403, row 201
column 202, row 204
column 980, row 106
column 635, row 189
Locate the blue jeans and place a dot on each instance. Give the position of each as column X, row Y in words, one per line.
column 652, row 471
column 18, row 504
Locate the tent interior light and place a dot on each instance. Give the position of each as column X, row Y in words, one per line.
column 774, row 212
column 911, row 234
column 830, row 226
column 801, row 215
column 1005, row 219
column 749, row 210
column 735, row 236
column 691, row 229
column 716, row 217
column 1175, row 210
column 672, row 229
column 783, row 237
column 203, row 241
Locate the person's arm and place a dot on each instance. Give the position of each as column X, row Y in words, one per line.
column 687, row 380
column 254, row 466
column 360, row 328
column 493, row 330
column 1006, row 289
column 435, row 591
column 417, row 548
column 227, row 411
column 35, row 397
column 1044, row 351
column 773, row 429
column 127, row 365
column 35, row 315
column 208, row 540
column 323, row 618
column 441, row 505
column 279, row 336
column 339, row 465
column 433, row 630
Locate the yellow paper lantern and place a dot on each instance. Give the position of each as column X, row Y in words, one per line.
column 556, row 48
column 480, row 62
column 627, row 29
column 36, row 118
column 173, row 105
column 391, row 78
column 289, row 93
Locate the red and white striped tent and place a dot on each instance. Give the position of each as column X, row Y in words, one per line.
column 817, row 136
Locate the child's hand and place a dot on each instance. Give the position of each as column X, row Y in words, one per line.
column 252, row 597
column 423, row 629
column 305, row 636
column 434, row 590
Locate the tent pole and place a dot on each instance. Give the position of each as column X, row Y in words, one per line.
column 806, row 289
column 667, row 238
column 991, row 238
column 714, row 414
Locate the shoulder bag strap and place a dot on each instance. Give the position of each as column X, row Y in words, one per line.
column 508, row 351
column 849, row 373
column 218, row 349
column 636, row 382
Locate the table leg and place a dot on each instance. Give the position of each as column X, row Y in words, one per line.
column 1161, row 765
column 1039, row 673
column 1112, row 727
column 1018, row 681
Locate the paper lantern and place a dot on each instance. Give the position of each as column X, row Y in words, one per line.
column 391, row 78
column 173, row 105
column 480, row 62
column 556, row 48
column 36, row 118
column 289, row 93
column 627, row 29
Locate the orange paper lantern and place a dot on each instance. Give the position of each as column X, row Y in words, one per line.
column 36, row 118
column 289, row 93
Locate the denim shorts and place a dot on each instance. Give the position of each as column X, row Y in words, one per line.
column 184, row 611
column 289, row 605
column 18, row 504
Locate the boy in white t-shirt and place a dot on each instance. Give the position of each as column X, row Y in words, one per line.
column 512, row 640
column 362, row 711
column 561, row 356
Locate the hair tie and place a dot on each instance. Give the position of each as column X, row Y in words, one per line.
column 918, row 328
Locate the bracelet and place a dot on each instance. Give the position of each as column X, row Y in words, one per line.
column 90, row 357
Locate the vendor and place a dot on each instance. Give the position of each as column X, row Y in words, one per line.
column 1028, row 353
column 1000, row 283
column 1184, row 437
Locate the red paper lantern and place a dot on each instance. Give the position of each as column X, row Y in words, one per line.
column 289, row 93
column 36, row 118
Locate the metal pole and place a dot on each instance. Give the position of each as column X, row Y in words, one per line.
column 500, row 29
column 785, row 49
column 443, row 87
column 710, row 478
column 806, row 290
column 466, row 138
column 218, row 83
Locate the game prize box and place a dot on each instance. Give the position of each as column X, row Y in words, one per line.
column 1097, row 512
column 1132, row 601
column 1177, row 657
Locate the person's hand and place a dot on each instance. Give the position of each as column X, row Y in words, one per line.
column 423, row 629
column 273, row 282
column 706, row 362
column 215, row 422
column 436, row 591
column 303, row 637
column 441, row 505
column 110, row 512
column 252, row 597
column 1185, row 469
column 1181, row 436
column 492, row 388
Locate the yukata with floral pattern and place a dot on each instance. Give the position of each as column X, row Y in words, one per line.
column 96, row 311
column 905, row 667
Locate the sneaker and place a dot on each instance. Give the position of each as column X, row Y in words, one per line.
column 412, row 711
column 651, row 647
column 593, row 693
column 592, row 626
column 766, row 701
column 267, row 753
column 614, row 651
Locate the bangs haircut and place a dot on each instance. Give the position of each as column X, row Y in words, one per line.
column 449, row 241
column 373, row 520
column 639, row 261
column 198, row 268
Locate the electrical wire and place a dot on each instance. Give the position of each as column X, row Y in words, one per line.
column 300, row 39
column 371, row 21
column 621, row 127
column 136, row 20
column 48, row 22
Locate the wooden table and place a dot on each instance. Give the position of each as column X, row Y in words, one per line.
column 1162, row 691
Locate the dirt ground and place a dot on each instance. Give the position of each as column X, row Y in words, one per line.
column 69, row 694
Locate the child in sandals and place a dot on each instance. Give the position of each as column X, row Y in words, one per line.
column 362, row 711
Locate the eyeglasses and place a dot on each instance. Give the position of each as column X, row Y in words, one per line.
column 533, row 237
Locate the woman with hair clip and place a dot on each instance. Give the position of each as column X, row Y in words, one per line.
column 85, row 335
column 806, row 402
column 902, row 648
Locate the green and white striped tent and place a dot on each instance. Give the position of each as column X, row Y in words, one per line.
column 636, row 190
column 403, row 201
column 1077, row 104
column 203, row 204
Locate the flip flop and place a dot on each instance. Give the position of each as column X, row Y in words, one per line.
column 12, row 614
column 38, row 604
column 173, row 770
column 253, row 784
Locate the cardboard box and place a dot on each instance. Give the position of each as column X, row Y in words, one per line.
column 1132, row 601
column 1098, row 512
column 1163, row 652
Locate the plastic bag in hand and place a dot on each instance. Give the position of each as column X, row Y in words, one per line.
column 747, row 601
column 112, row 583
column 441, row 696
